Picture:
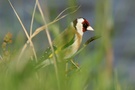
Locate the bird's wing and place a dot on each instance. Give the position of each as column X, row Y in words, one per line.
column 65, row 38
column 62, row 41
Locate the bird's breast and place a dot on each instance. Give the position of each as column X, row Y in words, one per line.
column 72, row 49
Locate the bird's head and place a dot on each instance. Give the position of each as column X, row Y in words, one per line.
column 82, row 25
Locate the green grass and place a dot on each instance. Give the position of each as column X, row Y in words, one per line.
column 17, row 68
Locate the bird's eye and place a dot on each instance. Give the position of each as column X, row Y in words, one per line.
column 85, row 25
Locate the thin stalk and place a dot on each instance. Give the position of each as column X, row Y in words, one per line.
column 33, row 14
column 85, row 44
column 26, row 33
column 50, row 42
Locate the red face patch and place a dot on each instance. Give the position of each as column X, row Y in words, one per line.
column 85, row 25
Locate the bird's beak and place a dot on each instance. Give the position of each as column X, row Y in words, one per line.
column 90, row 28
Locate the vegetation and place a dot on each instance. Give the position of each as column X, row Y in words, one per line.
column 95, row 72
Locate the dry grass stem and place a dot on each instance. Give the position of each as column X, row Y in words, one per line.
column 50, row 42
column 31, row 44
column 31, row 26
column 38, row 30
column 66, row 10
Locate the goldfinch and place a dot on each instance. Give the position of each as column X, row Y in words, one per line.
column 69, row 41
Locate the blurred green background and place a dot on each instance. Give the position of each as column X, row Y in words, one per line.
column 113, row 53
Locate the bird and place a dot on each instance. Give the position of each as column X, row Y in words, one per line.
column 68, row 42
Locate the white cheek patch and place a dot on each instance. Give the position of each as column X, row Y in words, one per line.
column 79, row 26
